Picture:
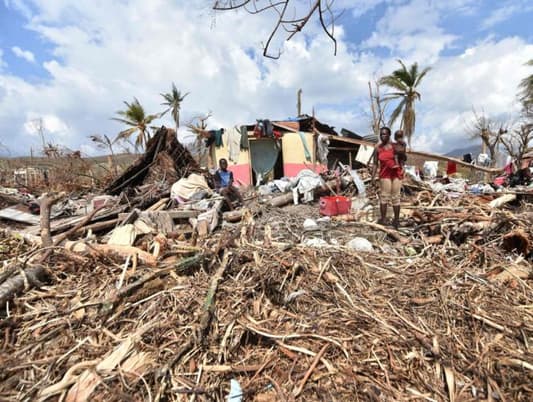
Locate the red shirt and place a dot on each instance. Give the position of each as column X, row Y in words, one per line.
column 386, row 163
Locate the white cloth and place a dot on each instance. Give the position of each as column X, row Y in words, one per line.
column 322, row 148
column 482, row 158
column 307, row 182
column 185, row 188
column 430, row 169
column 233, row 136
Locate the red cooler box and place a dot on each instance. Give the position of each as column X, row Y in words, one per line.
column 334, row 205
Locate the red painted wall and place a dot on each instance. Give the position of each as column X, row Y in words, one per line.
column 241, row 174
column 292, row 169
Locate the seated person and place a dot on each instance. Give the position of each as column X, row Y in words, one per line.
column 224, row 183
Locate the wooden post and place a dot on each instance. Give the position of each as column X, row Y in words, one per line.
column 299, row 103
column 46, row 206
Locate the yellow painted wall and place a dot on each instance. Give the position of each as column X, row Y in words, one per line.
column 293, row 149
column 223, row 152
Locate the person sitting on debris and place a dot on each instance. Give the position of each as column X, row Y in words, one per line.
column 400, row 148
column 224, row 183
column 389, row 178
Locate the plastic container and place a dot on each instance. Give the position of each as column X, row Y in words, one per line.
column 334, row 205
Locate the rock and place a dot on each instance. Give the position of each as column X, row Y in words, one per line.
column 360, row 244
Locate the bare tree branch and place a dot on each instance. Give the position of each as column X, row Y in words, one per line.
column 488, row 130
column 291, row 25
column 517, row 141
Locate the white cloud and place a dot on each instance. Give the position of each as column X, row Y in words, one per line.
column 506, row 11
column 49, row 123
column 23, row 54
column 20, row 6
column 484, row 77
column 108, row 52
column 412, row 30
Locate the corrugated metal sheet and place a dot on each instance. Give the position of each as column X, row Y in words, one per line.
column 15, row 214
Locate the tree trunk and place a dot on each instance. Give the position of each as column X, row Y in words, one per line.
column 31, row 277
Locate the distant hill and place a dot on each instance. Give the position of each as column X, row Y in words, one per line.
column 473, row 149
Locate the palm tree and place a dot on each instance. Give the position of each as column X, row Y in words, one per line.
column 173, row 101
column 405, row 81
column 526, row 91
column 135, row 117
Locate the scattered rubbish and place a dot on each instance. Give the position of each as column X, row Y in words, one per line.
column 360, row 244
column 149, row 286
column 315, row 242
column 430, row 169
column 123, row 235
column 235, row 392
column 310, row 224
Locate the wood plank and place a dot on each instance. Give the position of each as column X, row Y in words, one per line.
column 183, row 214
column 425, row 155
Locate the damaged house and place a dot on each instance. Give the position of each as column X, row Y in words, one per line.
column 273, row 149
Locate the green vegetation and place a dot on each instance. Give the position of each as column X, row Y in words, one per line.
column 173, row 101
column 135, row 117
column 405, row 82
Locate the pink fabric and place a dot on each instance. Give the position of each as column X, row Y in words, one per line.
column 508, row 168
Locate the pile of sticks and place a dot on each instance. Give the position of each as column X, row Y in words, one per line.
column 421, row 317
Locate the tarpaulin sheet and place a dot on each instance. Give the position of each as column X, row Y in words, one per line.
column 264, row 154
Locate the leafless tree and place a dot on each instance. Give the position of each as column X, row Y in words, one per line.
column 289, row 19
column 377, row 106
column 518, row 141
column 38, row 126
column 198, row 126
column 488, row 130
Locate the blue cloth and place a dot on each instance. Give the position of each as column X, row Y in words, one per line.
column 224, row 178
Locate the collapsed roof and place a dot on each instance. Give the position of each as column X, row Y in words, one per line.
column 165, row 160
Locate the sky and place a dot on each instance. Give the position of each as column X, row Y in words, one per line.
column 73, row 64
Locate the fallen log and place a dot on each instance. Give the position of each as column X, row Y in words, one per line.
column 286, row 198
column 122, row 251
column 281, row 200
column 26, row 279
column 393, row 233
column 63, row 236
column 501, row 201
column 233, row 216
column 97, row 226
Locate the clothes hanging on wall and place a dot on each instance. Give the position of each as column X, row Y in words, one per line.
column 451, row 168
column 306, row 148
column 233, row 136
column 244, row 138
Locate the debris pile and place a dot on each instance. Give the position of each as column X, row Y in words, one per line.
column 152, row 292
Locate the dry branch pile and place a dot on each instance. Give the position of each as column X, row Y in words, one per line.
column 441, row 311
